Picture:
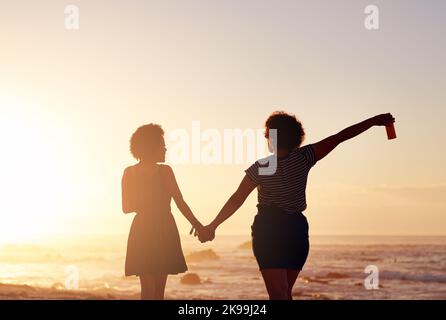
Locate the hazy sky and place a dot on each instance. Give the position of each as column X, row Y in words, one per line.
column 70, row 100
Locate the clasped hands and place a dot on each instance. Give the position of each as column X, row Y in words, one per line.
column 204, row 233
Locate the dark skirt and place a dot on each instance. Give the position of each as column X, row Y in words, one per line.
column 279, row 239
column 154, row 246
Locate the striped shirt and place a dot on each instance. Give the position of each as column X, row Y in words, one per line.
column 286, row 187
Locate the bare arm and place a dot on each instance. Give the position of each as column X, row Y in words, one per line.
column 175, row 191
column 233, row 203
column 128, row 192
column 325, row 146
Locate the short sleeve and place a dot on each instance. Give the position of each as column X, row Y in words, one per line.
column 253, row 173
column 308, row 154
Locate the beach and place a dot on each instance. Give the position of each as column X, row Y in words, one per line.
column 409, row 268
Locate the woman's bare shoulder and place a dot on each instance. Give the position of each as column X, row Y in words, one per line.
column 130, row 169
column 166, row 173
column 166, row 169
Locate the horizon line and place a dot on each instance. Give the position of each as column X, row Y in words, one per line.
column 248, row 234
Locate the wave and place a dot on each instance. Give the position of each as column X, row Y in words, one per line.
column 49, row 258
column 246, row 245
column 21, row 292
column 202, row 255
column 426, row 277
column 326, row 277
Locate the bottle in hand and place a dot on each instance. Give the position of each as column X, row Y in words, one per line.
column 390, row 129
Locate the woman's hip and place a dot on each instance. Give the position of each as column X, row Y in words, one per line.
column 280, row 240
column 274, row 223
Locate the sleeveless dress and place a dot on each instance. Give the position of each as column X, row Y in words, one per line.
column 154, row 245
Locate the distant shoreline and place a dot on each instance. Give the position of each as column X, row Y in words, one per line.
column 235, row 239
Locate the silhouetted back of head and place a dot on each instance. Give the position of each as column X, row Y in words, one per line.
column 146, row 141
column 290, row 133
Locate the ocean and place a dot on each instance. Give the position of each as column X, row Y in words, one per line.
column 409, row 267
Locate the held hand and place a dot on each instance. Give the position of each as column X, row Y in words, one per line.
column 202, row 232
column 194, row 230
column 384, row 119
column 207, row 234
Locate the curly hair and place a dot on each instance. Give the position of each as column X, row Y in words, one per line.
column 145, row 140
column 290, row 133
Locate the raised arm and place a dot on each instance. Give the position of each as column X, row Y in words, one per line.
column 325, row 146
column 175, row 191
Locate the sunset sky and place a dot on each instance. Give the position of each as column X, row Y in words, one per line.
column 70, row 100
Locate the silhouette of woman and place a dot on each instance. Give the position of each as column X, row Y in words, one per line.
column 280, row 230
column 154, row 247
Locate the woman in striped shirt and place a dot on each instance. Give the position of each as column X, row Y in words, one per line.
column 280, row 230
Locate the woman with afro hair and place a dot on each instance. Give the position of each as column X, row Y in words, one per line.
column 280, row 229
column 153, row 249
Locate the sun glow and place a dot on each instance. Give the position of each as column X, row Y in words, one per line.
column 32, row 183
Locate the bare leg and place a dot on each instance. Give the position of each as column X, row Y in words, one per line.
column 292, row 276
column 276, row 282
column 160, row 285
column 147, row 287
